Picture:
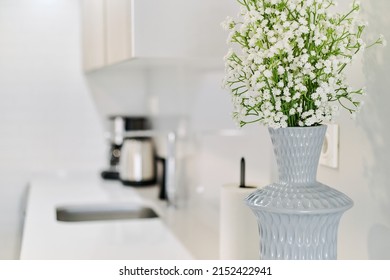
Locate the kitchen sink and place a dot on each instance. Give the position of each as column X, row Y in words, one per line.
column 103, row 212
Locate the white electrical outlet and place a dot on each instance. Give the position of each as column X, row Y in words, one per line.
column 330, row 149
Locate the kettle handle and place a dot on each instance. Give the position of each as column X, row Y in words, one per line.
column 163, row 191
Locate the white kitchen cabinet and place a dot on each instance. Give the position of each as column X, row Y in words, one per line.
column 106, row 29
column 180, row 28
column 93, row 25
column 118, row 30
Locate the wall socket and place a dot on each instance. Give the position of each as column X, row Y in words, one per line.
column 330, row 149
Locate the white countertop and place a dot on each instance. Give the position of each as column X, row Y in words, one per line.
column 177, row 234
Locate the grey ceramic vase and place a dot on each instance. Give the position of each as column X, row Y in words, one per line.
column 298, row 217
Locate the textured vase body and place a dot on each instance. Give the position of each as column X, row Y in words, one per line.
column 298, row 217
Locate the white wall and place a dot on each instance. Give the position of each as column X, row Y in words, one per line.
column 47, row 119
column 363, row 173
column 118, row 90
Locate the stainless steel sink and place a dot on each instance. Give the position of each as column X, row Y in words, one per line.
column 103, row 212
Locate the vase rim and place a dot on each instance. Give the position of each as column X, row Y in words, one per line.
column 300, row 127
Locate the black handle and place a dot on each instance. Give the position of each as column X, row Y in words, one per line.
column 242, row 173
column 163, row 191
column 110, row 175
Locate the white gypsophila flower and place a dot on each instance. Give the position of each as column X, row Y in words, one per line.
column 289, row 58
column 382, row 40
column 267, row 73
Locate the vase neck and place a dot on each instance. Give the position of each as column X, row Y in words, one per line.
column 297, row 151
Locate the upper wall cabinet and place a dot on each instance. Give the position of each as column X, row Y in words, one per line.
column 118, row 30
column 106, row 29
column 180, row 28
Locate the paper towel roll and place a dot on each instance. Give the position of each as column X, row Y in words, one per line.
column 239, row 237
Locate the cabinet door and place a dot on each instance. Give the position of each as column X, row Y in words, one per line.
column 92, row 17
column 118, row 30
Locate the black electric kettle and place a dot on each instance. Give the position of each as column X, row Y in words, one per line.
column 138, row 164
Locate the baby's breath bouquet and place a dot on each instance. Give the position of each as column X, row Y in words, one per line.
column 287, row 65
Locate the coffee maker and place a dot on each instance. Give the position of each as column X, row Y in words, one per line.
column 119, row 125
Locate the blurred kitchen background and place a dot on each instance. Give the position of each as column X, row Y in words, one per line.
column 67, row 65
